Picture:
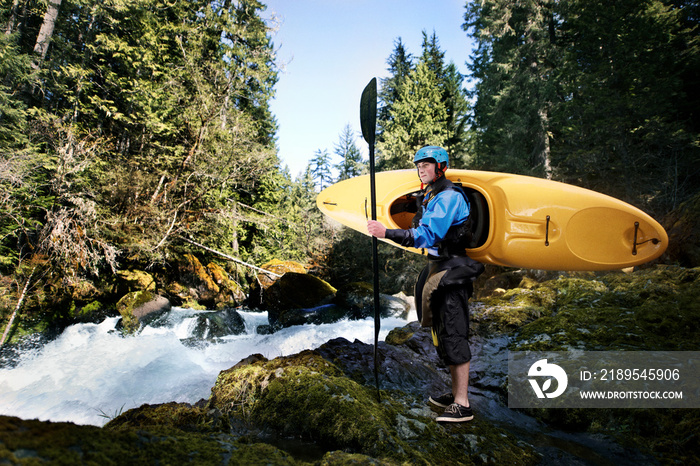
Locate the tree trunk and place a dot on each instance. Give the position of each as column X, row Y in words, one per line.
column 19, row 305
column 46, row 31
column 9, row 29
column 545, row 148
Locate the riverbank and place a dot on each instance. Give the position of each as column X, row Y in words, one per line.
column 323, row 402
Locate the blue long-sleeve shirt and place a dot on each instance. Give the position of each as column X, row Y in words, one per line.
column 446, row 209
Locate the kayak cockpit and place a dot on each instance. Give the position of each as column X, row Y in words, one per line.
column 405, row 207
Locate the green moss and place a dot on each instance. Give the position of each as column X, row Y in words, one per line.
column 262, row 454
column 180, row 416
column 513, row 309
column 652, row 309
column 305, row 396
column 137, row 280
column 398, row 336
column 126, row 306
column 34, row 442
column 200, row 272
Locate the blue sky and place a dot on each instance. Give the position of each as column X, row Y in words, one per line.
column 331, row 49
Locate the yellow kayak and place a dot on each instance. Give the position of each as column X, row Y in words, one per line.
column 519, row 221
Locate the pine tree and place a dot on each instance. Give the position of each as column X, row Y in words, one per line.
column 400, row 65
column 320, row 166
column 152, row 114
column 515, row 56
column 624, row 127
column 351, row 163
column 417, row 119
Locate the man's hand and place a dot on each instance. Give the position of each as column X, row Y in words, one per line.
column 376, row 229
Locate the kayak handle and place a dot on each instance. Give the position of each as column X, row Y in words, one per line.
column 546, row 237
column 366, row 214
column 635, row 243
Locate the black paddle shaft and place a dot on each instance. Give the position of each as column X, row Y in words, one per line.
column 368, row 123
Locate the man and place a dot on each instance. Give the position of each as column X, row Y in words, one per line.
column 441, row 225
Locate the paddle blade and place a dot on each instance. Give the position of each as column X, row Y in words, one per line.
column 368, row 111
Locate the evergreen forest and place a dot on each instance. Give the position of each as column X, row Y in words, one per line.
column 133, row 131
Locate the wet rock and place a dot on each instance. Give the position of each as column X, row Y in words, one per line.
column 308, row 396
column 128, row 304
column 217, row 324
column 324, row 314
column 292, row 292
column 358, row 299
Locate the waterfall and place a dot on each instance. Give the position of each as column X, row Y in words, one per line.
column 91, row 372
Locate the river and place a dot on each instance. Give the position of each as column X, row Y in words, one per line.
column 91, row 372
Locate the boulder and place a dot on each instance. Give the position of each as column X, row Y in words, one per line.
column 139, row 307
column 265, row 281
column 295, row 291
column 212, row 325
column 280, row 268
column 194, row 274
column 135, row 280
column 230, row 292
column 204, row 287
column 358, row 299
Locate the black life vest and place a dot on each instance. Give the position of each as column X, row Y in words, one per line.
column 458, row 237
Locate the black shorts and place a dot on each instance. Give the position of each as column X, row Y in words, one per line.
column 451, row 324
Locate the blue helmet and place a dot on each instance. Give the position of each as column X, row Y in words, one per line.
column 438, row 154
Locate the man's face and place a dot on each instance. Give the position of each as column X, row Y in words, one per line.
column 426, row 171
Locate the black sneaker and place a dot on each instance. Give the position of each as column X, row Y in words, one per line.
column 456, row 413
column 442, row 401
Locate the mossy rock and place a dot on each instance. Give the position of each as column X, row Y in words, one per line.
column 84, row 291
column 35, row 442
column 652, row 309
column 197, row 275
column 297, row 291
column 126, row 306
column 136, row 280
column 230, row 292
column 308, row 397
column 511, row 310
column 278, row 267
column 181, row 416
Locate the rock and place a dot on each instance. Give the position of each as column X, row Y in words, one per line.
column 280, row 268
column 324, row 314
column 173, row 433
column 201, row 287
column 354, row 301
column 295, row 291
column 306, row 396
column 134, row 280
column 216, row 324
column 358, row 299
column 140, row 305
column 230, row 292
column 157, row 305
column 265, row 281
column 196, row 275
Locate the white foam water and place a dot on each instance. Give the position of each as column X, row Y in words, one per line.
column 92, row 372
